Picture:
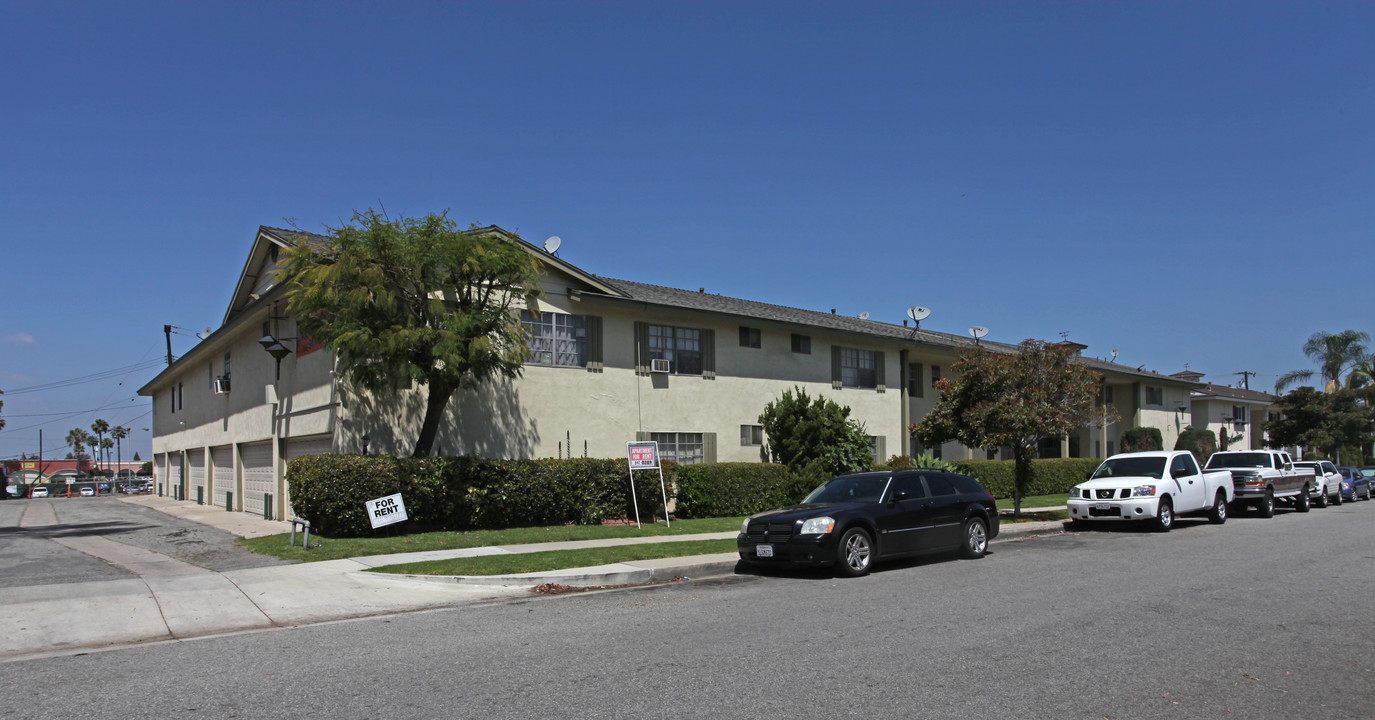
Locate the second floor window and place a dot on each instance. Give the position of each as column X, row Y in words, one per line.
column 1154, row 396
column 556, row 339
column 858, row 368
column 681, row 347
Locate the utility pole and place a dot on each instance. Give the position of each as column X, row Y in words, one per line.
column 167, row 330
column 1245, row 378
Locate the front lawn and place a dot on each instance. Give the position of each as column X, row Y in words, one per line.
column 337, row 548
column 1037, row 501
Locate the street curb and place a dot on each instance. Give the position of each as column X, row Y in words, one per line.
column 665, row 569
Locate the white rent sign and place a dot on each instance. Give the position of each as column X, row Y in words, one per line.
column 385, row 511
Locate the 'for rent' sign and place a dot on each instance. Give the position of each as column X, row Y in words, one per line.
column 387, row 510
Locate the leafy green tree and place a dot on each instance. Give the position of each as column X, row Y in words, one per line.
column 817, row 432
column 1337, row 356
column 1325, row 421
column 1142, row 439
column 1012, row 400
column 417, row 299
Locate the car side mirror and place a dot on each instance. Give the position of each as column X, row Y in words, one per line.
column 898, row 496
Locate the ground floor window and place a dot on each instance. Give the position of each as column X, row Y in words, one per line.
column 682, row 448
column 751, row 435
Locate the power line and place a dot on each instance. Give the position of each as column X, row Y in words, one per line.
column 94, row 377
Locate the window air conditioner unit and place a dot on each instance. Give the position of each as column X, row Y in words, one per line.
column 659, row 366
column 221, row 386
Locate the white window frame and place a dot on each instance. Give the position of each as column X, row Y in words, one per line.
column 555, row 339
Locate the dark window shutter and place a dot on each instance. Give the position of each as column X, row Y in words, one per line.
column 709, row 354
column 593, row 323
column 880, row 371
column 835, row 367
column 709, row 447
column 641, row 348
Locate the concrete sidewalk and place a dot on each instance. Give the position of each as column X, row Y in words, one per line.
column 171, row 600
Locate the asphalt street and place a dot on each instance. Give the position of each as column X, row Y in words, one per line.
column 1255, row 618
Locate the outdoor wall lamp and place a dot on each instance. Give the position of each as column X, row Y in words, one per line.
column 274, row 347
column 365, row 444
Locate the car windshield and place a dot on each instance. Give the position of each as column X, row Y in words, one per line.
column 1239, row 460
column 862, row 488
column 1131, row 467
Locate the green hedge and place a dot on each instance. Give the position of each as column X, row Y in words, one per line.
column 458, row 493
column 725, row 489
column 1141, row 439
column 1049, row 476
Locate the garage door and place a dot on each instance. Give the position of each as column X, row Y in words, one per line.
column 195, row 463
column 174, row 461
column 160, row 471
column 222, row 479
column 259, row 476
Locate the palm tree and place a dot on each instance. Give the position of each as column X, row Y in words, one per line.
column 94, row 442
column 119, row 432
column 100, row 427
column 77, row 439
column 1335, row 355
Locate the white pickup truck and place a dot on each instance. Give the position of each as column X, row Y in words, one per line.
column 1262, row 477
column 1155, row 486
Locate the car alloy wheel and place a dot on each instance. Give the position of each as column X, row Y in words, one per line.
column 1321, row 500
column 1164, row 518
column 1267, row 504
column 1219, row 512
column 1301, row 502
column 975, row 538
column 856, row 552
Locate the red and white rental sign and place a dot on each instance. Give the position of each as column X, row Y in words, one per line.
column 645, row 456
column 385, row 511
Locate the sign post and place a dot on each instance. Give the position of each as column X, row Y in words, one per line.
column 645, row 456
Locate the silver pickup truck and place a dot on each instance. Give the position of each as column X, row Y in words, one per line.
column 1260, row 478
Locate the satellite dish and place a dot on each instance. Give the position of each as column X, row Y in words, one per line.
column 1114, row 353
column 978, row 331
column 551, row 245
column 864, row 316
column 204, row 333
column 918, row 313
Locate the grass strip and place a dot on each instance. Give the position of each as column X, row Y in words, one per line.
column 388, row 543
column 1032, row 501
column 1035, row 517
column 559, row 559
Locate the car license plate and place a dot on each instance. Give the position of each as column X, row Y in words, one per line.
column 1102, row 506
column 763, row 550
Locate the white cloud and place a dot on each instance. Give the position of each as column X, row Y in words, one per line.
column 20, row 338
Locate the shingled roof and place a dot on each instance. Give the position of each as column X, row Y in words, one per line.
column 753, row 310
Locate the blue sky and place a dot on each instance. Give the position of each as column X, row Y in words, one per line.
column 1184, row 182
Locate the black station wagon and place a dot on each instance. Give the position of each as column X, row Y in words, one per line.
column 854, row 520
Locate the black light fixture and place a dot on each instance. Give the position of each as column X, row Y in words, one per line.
column 365, row 444
column 276, row 349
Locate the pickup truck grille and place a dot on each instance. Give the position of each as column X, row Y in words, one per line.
column 767, row 533
column 1105, row 494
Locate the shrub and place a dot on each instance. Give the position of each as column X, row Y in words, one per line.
column 457, row 493
column 1049, row 476
column 1202, row 443
column 725, row 489
column 1142, row 439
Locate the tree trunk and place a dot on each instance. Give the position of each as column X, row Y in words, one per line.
column 434, row 412
column 1020, row 477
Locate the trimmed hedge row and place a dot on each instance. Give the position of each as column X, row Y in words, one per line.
column 1049, row 476
column 725, row 489
column 459, row 493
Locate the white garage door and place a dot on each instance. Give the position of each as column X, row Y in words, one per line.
column 259, row 476
column 174, row 487
column 160, row 471
column 222, row 459
column 195, row 462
